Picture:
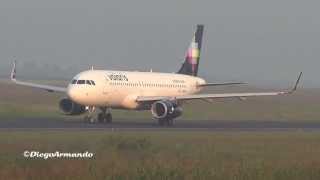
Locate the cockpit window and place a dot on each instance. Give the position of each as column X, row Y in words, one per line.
column 81, row 82
column 88, row 82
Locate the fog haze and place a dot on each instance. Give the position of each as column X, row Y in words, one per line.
column 265, row 43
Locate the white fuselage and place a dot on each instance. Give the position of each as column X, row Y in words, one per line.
column 119, row 89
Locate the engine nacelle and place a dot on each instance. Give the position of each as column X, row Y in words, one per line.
column 165, row 109
column 69, row 107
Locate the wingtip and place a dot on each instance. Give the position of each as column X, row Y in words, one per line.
column 297, row 83
column 13, row 71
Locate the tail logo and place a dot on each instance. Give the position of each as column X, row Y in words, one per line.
column 193, row 53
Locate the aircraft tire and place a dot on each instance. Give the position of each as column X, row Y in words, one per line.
column 108, row 118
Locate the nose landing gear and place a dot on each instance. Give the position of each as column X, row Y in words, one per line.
column 90, row 117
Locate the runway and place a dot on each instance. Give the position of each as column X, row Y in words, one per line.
column 42, row 124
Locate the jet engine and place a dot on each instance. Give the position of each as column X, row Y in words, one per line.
column 69, row 107
column 165, row 109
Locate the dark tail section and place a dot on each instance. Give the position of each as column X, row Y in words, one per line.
column 191, row 63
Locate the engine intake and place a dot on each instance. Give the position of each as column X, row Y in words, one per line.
column 69, row 107
column 165, row 109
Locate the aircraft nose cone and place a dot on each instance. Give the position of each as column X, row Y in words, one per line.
column 71, row 93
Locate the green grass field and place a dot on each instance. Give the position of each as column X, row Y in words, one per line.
column 163, row 155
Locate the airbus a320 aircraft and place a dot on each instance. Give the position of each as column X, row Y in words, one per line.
column 162, row 93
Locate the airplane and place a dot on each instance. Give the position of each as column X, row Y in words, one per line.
column 161, row 93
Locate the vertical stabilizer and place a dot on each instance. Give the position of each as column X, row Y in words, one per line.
column 191, row 63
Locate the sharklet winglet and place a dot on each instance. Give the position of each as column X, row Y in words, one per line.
column 296, row 84
column 13, row 75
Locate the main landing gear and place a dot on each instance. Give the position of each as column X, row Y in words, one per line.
column 166, row 122
column 104, row 116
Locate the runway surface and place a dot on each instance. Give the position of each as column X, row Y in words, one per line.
column 25, row 124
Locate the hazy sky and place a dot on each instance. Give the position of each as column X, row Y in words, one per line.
column 262, row 42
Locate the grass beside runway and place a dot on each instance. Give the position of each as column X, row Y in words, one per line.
column 164, row 155
column 234, row 111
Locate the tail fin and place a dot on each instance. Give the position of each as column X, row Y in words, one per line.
column 191, row 63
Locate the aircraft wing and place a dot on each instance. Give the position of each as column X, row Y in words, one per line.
column 216, row 96
column 34, row 85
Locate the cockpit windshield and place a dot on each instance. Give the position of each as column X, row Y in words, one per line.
column 89, row 82
column 81, row 82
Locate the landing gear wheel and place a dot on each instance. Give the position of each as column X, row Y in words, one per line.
column 101, row 117
column 161, row 122
column 108, row 118
column 86, row 119
column 104, row 118
column 170, row 122
column 105, row 115
column 166, row 122
column 89, row 119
